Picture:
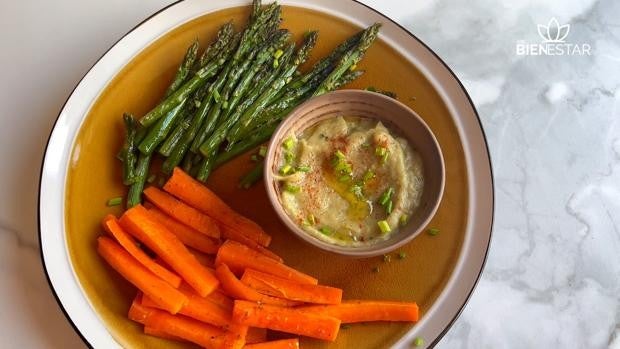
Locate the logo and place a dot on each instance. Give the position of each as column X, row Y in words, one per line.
column 553, row 43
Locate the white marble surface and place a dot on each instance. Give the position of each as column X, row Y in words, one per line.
column 553, row 275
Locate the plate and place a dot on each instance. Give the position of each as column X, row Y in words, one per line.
column 80, row 173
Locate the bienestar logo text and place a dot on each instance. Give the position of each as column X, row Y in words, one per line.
column 553, row 42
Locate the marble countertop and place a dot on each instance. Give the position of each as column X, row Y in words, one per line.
column 552, row 278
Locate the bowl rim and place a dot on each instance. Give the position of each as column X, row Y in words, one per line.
column 284, row 128
column 455, row 295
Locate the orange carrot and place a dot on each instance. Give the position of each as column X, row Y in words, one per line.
column 159, row 333
column 199, row 308
column 138, row 312
column 182, row 327
column 366, row 311
column 256, row 335
column 236, row 236
column 167, row 296
column 238, row 257
column 110, row 224
column 199, row 196
column 278, row 287
column 279, row 344
column 168, row 247
column 204, row 259
column 286, row 320
column 182, row 212
column 238, row 290
column 187, row 235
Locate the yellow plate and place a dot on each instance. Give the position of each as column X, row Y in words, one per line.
column 93, row 176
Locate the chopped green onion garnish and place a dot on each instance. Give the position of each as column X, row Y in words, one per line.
column 278, row 54
column 338, row 154
column 311, row 219
column 293, row 189
column 303, row 168
column 418, row 342
column 402, row 255
column 216, row 96
column 225, row 105
column 368, row 176
column 357, row 190
column 386, row 196
column 325, row 231
column 371, row 89
column 433, row 231
column 388, row 207
column 384, row 157
column 352, row 68
column 289, row 143
column 115, row 201
column 384, row 226
column 344, row 178
column 289, row 157
column 387, row 258
column 151, row 178
column 262, row 151
column 286, row 169
column 403, row 220
column 197, row 103
column 380, row 151
column 276, row 63
column 254, row 157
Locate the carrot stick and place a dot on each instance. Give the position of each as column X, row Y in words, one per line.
column 159, row 333
column 283, row 288
column 238, row 257
column 120, row 260
column 182, row 212
column 138, row 312
column 286, row 320
column 199, row 196
column 187, row 235
column 231, row 234
column 168, row 247
column 182, row 327
column 110, row 224
column 204, row 259
column 255, row 335
column 238, row 290
column 366, row 311
column 279, row 344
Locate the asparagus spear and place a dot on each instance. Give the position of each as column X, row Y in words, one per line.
column 216, row 138
column 175, row 137
column 253, row 176
column 129, row 149
column 300, row 57
column 199, row 79
column 159, row 131
column 184, row 68
column 135, row 191
column 224, row 35
column 349, row 59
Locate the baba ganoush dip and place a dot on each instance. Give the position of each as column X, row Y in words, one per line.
column 349, row 181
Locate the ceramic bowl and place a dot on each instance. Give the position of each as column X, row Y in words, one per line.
column 398, row 118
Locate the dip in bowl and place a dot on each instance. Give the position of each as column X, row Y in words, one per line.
column 354, row 172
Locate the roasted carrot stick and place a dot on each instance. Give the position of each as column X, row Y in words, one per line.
column 182, row 327
column 187, row 235
column 278, row 287
column 366, row 311
column 110, row 224
column 168, row 247
column 238, row 290
column 161, row 334
column 163, row 293
column 231, row 234
column 199, row 196
column 182, row 212
column 201, row 309
column 204, row 259
column 238, row 257
column 255, row 335
column 138, row 312
column 286, row 320
column 279, row 344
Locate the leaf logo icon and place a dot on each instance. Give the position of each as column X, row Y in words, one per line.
column 553, row 31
